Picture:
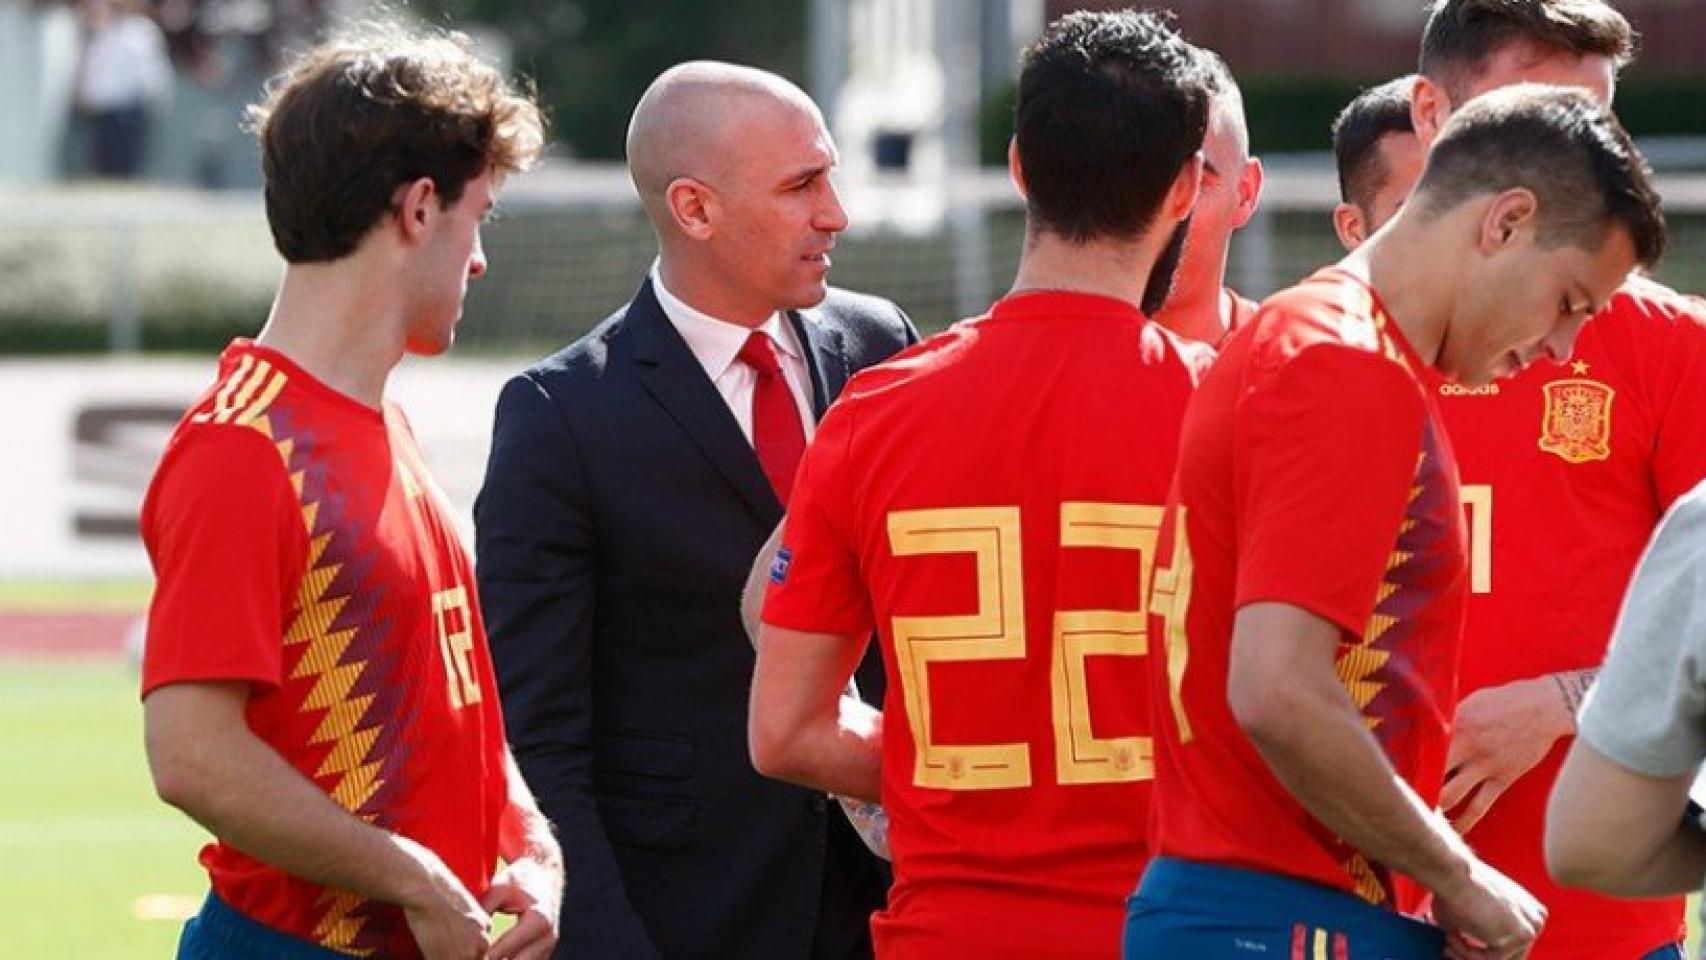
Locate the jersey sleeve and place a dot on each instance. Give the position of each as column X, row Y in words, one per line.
column 1331, row 441
column 1647, row 710
column 225, row 534
column 1679, row 452
column 815, row 584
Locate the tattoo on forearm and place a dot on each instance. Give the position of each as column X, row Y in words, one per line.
column 1573, row 687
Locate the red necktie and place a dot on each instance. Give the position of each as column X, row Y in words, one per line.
column 777, row 433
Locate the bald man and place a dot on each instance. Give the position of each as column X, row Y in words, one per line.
column 633, row 477
column 1200, row 306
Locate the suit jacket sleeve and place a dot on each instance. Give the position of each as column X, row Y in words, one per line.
column 909, row 332
column 537, row 569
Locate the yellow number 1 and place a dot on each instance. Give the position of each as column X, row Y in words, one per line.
column 1477, row 500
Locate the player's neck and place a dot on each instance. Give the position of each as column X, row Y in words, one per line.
column 1108, row 269
column 1415, row 283
column 339, row 327
column 1196, row 312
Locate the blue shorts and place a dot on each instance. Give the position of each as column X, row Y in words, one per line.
column 1205, row 912
column 219, row 932
column 1670, row 951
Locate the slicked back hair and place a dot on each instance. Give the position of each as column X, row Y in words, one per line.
column 1357, row 132
column 1462, row 35
column 1565, row 148
column 378, row 107
column 1111, row 106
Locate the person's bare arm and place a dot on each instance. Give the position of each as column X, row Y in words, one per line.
column 1285, row 694
column 752, row 594
column 1619, row 832
column 800, row 727
column 1501, row 733
column 530, row 886
column 208, row 763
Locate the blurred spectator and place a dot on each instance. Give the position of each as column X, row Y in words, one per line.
column 125, row 77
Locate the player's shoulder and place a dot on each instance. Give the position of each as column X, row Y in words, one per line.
column 216, row 444
column 914, row 368
column 1331, row 309
column 1643, row 302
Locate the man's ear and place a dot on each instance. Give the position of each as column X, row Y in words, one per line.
column 1249, row 192
column 1182, row 196
column 1015, row 170
column 691, row 204
column 1348, row 223
column 1430, row 107
column 1509, row 217
column 415, row 206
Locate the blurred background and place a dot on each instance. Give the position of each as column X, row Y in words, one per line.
column 133, row 246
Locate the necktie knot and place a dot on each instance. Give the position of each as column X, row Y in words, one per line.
column 758, row 353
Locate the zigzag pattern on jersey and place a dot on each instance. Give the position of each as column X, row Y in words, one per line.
column 334, row 646
column 1378, row 670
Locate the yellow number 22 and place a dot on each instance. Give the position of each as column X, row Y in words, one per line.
column 997, row 632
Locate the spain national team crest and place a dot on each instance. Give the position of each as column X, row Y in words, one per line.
column 1577, row 422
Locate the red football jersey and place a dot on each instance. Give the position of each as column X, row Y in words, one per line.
column 988, row 501
column 1567, row 469
column 1313, row 471
column 300, row 545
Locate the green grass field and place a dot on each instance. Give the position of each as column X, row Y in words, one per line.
column 85, row 845
column 82, row 837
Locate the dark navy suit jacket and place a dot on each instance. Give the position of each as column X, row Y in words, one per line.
column 621, row 511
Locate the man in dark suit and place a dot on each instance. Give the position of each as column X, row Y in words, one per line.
column 633, row 477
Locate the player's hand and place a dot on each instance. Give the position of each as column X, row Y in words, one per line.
column 532, row 891
column 445, row 919
column 1500, row 734
column 1487, row 916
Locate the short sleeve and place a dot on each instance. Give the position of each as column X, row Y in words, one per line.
column 1647, row 710
column 1330, row 442
column 1679, row 451
column 815, row 583
column 225, row 534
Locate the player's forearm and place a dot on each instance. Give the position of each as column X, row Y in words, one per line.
column 1316, row 743
column 524, row 832
column 245, row 794
column 839, row 752
column 800, row 728
column 1572, row 686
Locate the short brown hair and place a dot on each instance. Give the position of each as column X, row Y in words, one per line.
column 1462, row 34
column 377, row 107
column 1562, row 145
column 1357, row 132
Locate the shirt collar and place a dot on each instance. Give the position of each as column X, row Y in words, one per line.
column 716, row 343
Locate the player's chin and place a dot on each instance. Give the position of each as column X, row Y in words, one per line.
column 432, row 344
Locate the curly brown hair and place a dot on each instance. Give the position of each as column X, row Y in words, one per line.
column 374, row 108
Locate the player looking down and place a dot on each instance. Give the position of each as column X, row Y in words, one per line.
column 1311, row 572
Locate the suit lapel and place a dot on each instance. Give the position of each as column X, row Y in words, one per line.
column 674, row 378
column 825, row 356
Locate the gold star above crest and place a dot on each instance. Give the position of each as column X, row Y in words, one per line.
column 1580, row 367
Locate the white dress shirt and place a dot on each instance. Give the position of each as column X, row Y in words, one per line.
column 716, row 344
